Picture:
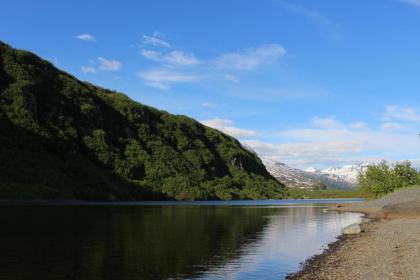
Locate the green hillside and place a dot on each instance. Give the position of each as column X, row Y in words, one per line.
column 61, row 138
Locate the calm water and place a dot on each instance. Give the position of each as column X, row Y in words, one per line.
column 211, row 240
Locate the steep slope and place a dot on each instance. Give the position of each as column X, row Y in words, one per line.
column 293, row 177
column 63, row 138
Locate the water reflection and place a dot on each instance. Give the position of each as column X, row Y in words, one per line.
column 161, row 242
column 290, row 236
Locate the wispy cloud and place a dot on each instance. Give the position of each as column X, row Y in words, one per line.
column 250, row 59
column 158, row 85
column 164, row 78
column 227, row 126
column 307, row 154
column 415, row 3
column 322, row 147
column 276, row 93
column 86, row 37
column 404, row 113
column 328, row 122
column 208, row 104
column 109, row 65
column 314, row 16
column 180, row 58
column 390, row 126
column 173, row 58
column 231, row 78
column 359, row 125
column 327, row 141
column 156, row 40
column 173, row 63
column 88, row 69
column 151, row 54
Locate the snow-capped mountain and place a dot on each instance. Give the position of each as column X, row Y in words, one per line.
column 293, row 177
column 312, row 170
column 347, row 173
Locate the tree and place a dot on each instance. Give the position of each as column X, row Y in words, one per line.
column 381, row 179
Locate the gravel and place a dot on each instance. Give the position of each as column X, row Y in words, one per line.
column 386, row 249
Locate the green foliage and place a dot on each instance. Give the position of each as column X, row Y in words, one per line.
column 320, row 186
column 73, row 140
column 381, row 179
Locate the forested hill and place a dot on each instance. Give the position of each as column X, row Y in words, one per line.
column 61, row 138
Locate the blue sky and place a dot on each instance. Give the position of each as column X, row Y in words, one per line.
column 310, row 83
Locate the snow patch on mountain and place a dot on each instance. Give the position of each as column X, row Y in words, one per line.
column 294, row 177
column 312, row 170
column 348, row 173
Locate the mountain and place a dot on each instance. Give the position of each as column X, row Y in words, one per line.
column 293, row 177
column 347, row 173
column 312, row 170
column 62, row 138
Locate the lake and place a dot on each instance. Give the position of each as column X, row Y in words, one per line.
column 165, row 240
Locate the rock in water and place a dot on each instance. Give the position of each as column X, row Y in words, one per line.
column 352, row 229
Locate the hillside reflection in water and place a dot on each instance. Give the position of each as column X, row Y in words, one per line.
column 162, row 241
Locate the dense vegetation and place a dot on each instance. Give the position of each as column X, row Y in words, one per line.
column 382, row 178
column 63, row 138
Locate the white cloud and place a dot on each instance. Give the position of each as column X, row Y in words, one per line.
column 251, row 58
column 165, row 76
column 359, row 125
column 156, row 40
column 395, row 112
column 390, row 126
column 415, row 3
column 180, row 58
column 86, row 37
column 227, row 126
column 158, row 85
column 307, row 154
column 208, row 104
column 173, row 58
column 323, row 147
column 326, row 122
column 167, row 60
column 152, row 55
column 109, row 65
column 88, row 69
column 322, row 21
column 162, row 78
column 231, row 78
column 327, row 141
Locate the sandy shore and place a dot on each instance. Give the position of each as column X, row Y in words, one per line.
column 388, row 247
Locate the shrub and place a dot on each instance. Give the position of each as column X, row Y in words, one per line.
column 381, row 179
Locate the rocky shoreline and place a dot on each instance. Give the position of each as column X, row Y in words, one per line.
column 387, row 247
column 311, row 266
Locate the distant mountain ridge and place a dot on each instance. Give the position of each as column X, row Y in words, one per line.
column 347, row 173
column 339, row 177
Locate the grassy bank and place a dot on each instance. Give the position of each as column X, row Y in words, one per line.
column 293, row 193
